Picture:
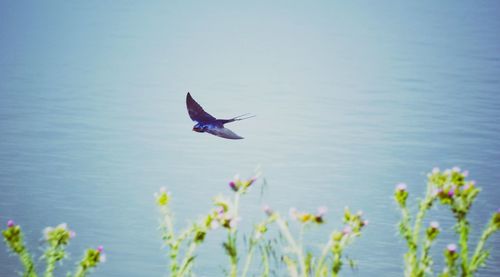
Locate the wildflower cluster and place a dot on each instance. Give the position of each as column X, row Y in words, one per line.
column 91, row 259
column 13, row 236
column 309, row 217
column 241, row 186
column 224, row 214
column 190, row 237
column 302, row 263
column 449, row 188
column 57, row 238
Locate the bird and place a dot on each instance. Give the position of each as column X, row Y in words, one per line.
column 209, row 124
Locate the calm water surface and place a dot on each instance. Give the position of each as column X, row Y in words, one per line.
column 350, row 99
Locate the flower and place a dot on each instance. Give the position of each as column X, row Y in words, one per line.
column 10, row 223
column 102, row 255
column 347, row 230
column 435, row 170
column 433, row 230
column 267, row 210
column 163, row 197
column 303, row 217
column 434, row 225
column 59, row 235
column 322, row 211
column 232, row 185
column 241, row 185
column 452, row 248
column 496, row 219
column 400, row 195
column 401, row 187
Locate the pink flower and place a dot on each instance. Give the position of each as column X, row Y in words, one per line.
column 434, row 225
column 452, row 248
column 10, row 223
column 100, row 249
column 267, row 210
column 232, row 185
column 347, row 230
column 322, row 211
column 401, row 187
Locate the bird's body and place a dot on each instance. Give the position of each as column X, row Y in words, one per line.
column 209, row 124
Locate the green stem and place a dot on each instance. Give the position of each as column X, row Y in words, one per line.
column 169, row 238
column 426, row 261
column 186, row 262
column 248, row 260
column 27, row 262
column 288, row 236
column 478, row 252
column 322, row 258
column 81, row 272
column 265, row 261
column 51, row 265
column 463, row 227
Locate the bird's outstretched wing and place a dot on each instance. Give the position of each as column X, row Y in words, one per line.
column 223, row 133
column 196, row 112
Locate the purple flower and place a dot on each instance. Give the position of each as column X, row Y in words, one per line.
column 435, row 170
column 10, row 223
column 455, row 169
column 100, row 249
column 365, row 223
column 401, row 187
column 451, row 192
column 232, row 185
column 452, row 248
column 434, row 225
column 465, row 173
column 322, row 211
column 267, row 210
column 347, row 230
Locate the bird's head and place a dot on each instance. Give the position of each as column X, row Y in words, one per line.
column 199, row 128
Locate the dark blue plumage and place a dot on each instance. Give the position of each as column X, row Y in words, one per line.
column 208, row 123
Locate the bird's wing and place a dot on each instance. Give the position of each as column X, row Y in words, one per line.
column 196, row 112
column 223, row 133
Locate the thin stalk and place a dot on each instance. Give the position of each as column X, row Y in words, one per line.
column 248, row 260
column 293, row 244
column 186, row 264
column 51, row 263
column 81, row 272
column 463, row 227
column 474, row 265
column 322, row 258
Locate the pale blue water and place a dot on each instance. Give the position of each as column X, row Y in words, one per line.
column 350, row 99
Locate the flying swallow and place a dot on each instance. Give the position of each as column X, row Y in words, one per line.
column 208, row 123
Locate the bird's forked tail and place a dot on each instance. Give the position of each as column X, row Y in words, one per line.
column 237, row 118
